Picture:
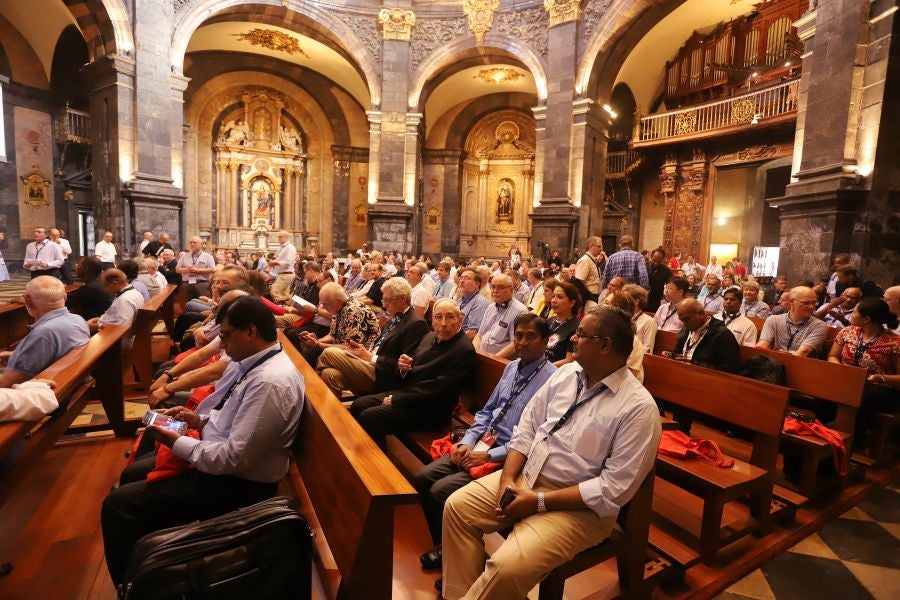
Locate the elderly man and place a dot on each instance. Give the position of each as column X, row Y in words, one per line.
column 892, row 298
column 124, row 307
column 753, row 306
column 54, row 333
column 43, row 257
column 195, row 268
column 627, row 264
column 152, row 266
column 429, row 384
column 705, row 341
column 168, row 266
column 421, row 297
column 495, row 335
column 155, row 247
column 471, row 302
column 586, row 268
column 246, row 429
column 355, row 279
column 666, row 315
column 796, row 331
column 106, row 251
column 66, row 269
column 352, row 321
column 149, row 279
column 744, row 330
column 365, row 369
column 581, row 450
column 713, row 268
column 487, row 441
column 282, row 266
column 148, row 237
column 836, row 312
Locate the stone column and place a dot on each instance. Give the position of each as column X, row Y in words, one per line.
column 554, row 221
column 589, row 138
column 233, row 199
column 844, row 195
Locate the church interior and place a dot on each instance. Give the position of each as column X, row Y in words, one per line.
column 469, row 129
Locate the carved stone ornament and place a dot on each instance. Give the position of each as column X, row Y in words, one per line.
column 685, row 122
column 480, row 14
column 562, row 11
column 528, row 25
column 742, row 110
column 36, row 191
column 366, row 29
column 591, row 12
column 431, row 34
column 181, row 4
column 272, row 40
column 396, row 23
column 756, row 152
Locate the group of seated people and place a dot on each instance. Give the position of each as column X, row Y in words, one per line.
column 569, row 430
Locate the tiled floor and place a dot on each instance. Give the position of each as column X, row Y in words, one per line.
column 855, row 557
column 13, row 288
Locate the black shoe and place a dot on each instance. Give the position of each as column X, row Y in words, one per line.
column 431, row 559
column 439, row 586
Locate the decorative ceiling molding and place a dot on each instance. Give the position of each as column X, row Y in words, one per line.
column 431, row 34
column 562, row 11
column 366, row 29
column 396, row 23
column 498, row 75
column 480, row 14
column 272, row 40
column 528, row 25
column 591, row 13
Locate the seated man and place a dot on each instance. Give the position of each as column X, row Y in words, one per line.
column 666, row 315
column 429, row 384
column 581, row 450
column 366, row 370
column 132, row 272
column 168, row 266
column 795, row 331
column 836, row 312
column 488, row 439
column 421, row 297
column 712, row 299
column 471, row 302
column 495, row 334
column 124, row 307
column 305, row 287
column 147, row 278
column 55, row 331
column 705, row 341
column 753, row 306
column 744, row 330
column 246, row 430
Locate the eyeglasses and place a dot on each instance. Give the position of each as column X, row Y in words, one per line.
column 388, row 299
column 501, row 287
column 579, row 333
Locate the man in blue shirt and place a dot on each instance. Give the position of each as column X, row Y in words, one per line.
column 627, row 264
column 471, row 302
column 488, row 439
column 55, row 331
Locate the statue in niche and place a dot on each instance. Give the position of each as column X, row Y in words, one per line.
column 289, row 139
column 263, row 199
column 234, row 133
column 504, row 202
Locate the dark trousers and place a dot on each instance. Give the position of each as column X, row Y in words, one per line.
column 67, row 272
column 48, row 272
column 107, row 265
column 137, row 508
column 381, row 420
column 435, row 482
column 195, row 290
column 183, row 323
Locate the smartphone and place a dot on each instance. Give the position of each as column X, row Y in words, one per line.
column 507, row 497
column 160, row 420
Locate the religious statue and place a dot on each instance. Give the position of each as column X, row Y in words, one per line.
column 234, row 132
column 289, row 139
column 504, row 203
column 261, row 195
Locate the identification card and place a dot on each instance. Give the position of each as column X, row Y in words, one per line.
column 485, row 443
column 536, row 459
column 503, row 324
column 192, row 280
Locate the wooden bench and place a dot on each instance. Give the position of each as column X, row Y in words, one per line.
column 809, row 377
column 14, row 321
column 755, row 406
column 140, row 357
column 352, row 486
column 101, row 357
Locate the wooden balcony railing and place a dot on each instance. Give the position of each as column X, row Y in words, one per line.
column 620, row 163
column 73, row 126
column 760, row 107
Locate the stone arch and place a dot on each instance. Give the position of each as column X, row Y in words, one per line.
column 105, row 26
column 195, row 16
column 449, row 54
column 621, row 28
column 473, row 113
column 24, row 65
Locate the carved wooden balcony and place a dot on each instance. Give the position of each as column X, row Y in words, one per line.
column 621, row 163
column 73, row 127
column 759, row 108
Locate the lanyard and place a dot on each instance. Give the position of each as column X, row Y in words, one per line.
column 575, row 405
column 688, row 346
column 669, row 316
column 862, row 347
column 793, row 334
column 194, row 258
column 706, row 299
column 726, row 318
column 37, row 249
column 241, row 379
column 516, row 389
column 466, row 299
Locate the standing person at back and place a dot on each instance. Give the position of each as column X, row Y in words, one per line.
column 713, row 268
column 283, row 266
column 66, row 269
column 659, row 276
column 586, row 268
column 106, row 251
column 43, row 257
column 195, row 268
column 627, row 264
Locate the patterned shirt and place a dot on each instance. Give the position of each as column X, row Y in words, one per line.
column 881, row 358
column 627, row 264
column 757, row 309
column 355, row 321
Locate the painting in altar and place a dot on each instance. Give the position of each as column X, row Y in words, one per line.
column 263, row 198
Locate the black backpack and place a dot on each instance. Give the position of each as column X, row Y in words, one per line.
column 764, row 368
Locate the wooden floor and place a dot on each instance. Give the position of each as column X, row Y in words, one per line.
column 50, row 531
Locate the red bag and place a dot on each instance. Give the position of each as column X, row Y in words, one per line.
column 169, row 465
column 678, row 445
column 445, row 445
column 815, row 428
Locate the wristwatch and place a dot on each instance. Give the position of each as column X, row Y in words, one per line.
column 542, row 508
column 169, row 375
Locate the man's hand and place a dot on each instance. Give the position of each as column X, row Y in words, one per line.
column 166, row 437
column 359, row 351
column 157, row 396
column 474, row 459
column 200, row 338
column 94, row 325
column 386, row 401
column 523, row 505
column 308, row 340
column 405, row 363
column 160, row 381
column 459, row 454
column 184, row 414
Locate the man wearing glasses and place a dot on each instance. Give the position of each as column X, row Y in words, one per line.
column 586, row 268
column 796, row 331
column 495, row 335
column 471, row 301
column 583, row 446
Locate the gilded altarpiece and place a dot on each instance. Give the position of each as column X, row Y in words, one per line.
column 260, row 174
column 498, row 184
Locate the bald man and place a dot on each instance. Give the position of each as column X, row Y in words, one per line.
column 495, row 335
column 54, row 333
column 797, row 331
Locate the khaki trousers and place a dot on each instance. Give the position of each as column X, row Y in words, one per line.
column 280, row 289
column 537, row 545
column 286, row 320
column 341, row 371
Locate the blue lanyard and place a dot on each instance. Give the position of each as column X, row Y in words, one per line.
column 516, row 389
column 575, row 406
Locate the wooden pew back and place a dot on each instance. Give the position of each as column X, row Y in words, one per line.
column 140, row 356
column 488, row 371
column 14, row 322
column 352, row 485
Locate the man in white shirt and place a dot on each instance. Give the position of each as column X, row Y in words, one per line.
column 582, row 448
column 666, row 315
column 421, row 297
column 66, row 269
column 43, row 257
column 148, row 237
column 283, row 267
column 840, row 260
column 124, row 308
column 836, row 312
column 195, row 268
column 690, row 267
column 106, row 252
column 28, row 401
column 152, row 266
column 744, row 330
column 586, row 268
column 495, row 335
column 713, row 268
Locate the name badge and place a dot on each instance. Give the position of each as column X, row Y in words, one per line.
column 485, row 443
column 536, row 459
column 192, row 280
column 503, row 324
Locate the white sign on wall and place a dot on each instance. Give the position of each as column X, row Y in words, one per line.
column 765, row 261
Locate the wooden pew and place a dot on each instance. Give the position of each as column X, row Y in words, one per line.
column 840, row 384
column 352, row 486
column 140, row 357
column 14, row 322
column 101, row 358
column 755, row 406
column 665, row 342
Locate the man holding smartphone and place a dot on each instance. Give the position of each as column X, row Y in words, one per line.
column 581, row 450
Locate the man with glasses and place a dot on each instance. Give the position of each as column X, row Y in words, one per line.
column 369, row 369
column 586, row 268
column 581, row 450
column 495, row 335
column 796, row 331
column 430, row 379
column 195, row 268
column 836, row 312
column 471, row 301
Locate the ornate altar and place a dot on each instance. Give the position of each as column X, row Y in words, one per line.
column 260, row 174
